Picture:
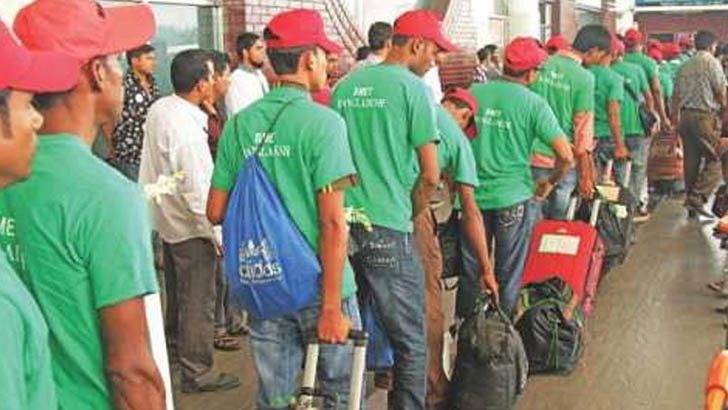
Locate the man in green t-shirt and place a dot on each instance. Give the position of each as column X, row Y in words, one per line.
column 306, row 155
column 569, row 90
column 26, row 379
column 608, row 98
column 633, row 40
column 510, row 119
column 459, row 179
column 86, row 237
column 636, row 88
column 392, row 127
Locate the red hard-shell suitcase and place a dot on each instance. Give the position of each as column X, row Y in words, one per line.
column 569, row 250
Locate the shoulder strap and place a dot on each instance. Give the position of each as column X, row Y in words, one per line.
column 272, row 125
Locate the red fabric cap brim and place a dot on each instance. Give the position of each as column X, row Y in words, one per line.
column 445, row 45
column 38, row 78
column 129, row 27
column 330, row 47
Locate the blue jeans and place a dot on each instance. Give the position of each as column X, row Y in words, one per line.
column 557, row 204
column 509, row 236
column 279, row 347
column 639, row 150
column 387, row 265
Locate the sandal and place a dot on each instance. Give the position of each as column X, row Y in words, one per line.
column 226, row 343
column 718, row 287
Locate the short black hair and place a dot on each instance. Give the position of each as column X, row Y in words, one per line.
column 188, row 68
column 138, row 52
column 363, row 52
column 284, row 60
column 514, row 73
column 245, row 41
column 704, row 40
column 4, row 113
column 399, row 40
column 593, row 36
column 220, row 61
column 486, row 52
column 4, row 95
column 379, row 33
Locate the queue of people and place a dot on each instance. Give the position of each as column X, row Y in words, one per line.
column 535, row 129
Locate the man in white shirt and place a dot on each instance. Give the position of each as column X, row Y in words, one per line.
column 175, row 146
column 247, row 82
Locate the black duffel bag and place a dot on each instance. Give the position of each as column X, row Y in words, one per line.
column 553, row 343
column 616, row 231
column 491, row 368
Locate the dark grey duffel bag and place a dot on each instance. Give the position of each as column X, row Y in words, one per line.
column 491, row 367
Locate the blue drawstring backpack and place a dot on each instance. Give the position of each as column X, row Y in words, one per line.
column 271, row 269
column 380, row 355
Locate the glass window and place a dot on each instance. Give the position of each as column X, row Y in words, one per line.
column 179, row 27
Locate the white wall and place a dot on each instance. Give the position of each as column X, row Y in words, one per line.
column 625, row 15
column 590, row 3
column 525, row 19
column 10, row 8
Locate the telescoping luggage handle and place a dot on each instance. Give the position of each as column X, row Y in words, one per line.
column 308, row 386
column 607, row 176
column 571, row 211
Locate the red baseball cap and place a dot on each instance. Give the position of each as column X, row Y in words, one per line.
column 655, row 54
column 617, row 46
column 298, row 28
column 670, row 50
column 524, row 53
column 557, row 43
column 29, row 71
column 633, row 36
column 425, row 24
column 687, row 41
column 83, row 28
column 465, row 96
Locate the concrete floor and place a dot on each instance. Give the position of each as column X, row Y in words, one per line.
column 649, row 344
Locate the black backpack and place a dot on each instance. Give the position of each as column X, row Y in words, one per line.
column 491, row 367
column 553, row 344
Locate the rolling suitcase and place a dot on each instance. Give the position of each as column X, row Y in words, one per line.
column 572, row 251
column 309, row 393
column 665, row 170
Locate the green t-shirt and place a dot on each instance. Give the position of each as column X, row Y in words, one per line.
column 87, row 245
column 510, row 119
column 569, row 89
column 454, row 153
column 26, row 379
column 8, row 239
column 306, row 151
column 635, row 80
column 643, row 60
column 609, row 87
column 388, row 114
column 666, row 80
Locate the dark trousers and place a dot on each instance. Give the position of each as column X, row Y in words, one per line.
column 700, row 132
column 190, row 281
column 228, row 315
